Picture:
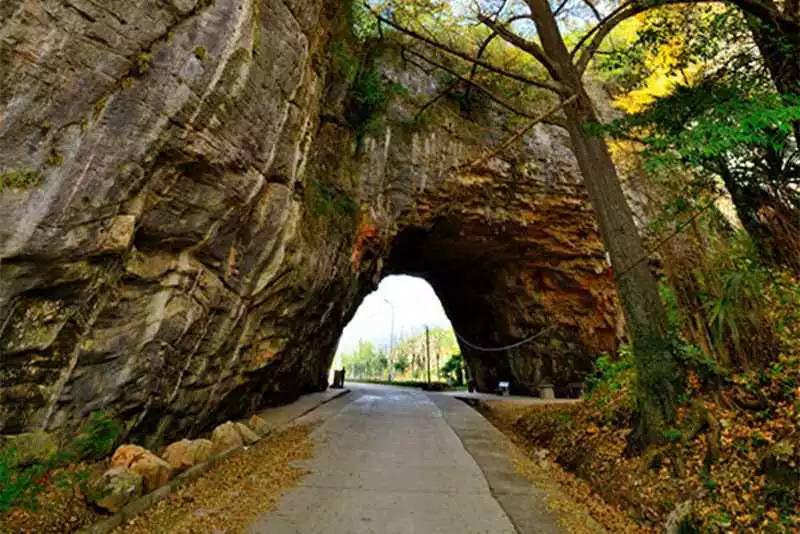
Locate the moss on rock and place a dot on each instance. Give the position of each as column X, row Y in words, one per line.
column 20, row 179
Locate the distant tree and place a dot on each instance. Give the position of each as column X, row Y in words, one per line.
column 453, row 369
column 412, row 350
column 401, row 364
column 366, row 362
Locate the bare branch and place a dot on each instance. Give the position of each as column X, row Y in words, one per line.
column 438, row 96
column 543, row 84
column 602, row 32
column 596, row 13
column 561, row 6
column 517, row 135
column 501, row 8
column 481, row 49
column 520, row 42
column 604, row 26
column 494, row 98
column 435, row 99
column 484, row 45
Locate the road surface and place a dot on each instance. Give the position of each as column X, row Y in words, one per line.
column 394, row 460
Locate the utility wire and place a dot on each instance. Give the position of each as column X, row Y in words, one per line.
column 505, row 347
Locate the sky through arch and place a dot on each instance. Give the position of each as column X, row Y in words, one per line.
column 415, row 306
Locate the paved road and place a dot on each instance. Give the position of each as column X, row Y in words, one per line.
column 394, row 460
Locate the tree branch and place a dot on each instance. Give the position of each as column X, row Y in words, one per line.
column 791, row 9
column 474, row 70
column 600, row 32
column 561, row 6
column 435, row 99
column 597, row 34
column 494, row 98
column 594, row 10
column 517, row 135
column 523, row 44
column 482, row 48
column 543, row 84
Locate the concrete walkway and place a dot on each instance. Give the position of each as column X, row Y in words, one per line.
column 279, row 416
column 389, row 461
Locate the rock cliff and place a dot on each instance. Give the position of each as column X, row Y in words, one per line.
column 188, row 218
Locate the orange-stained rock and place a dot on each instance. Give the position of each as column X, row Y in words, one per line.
column 154, row 471
column 186, row 453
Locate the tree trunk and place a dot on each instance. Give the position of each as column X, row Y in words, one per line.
column 780, row 51
column 659, row 375
column 774, row 226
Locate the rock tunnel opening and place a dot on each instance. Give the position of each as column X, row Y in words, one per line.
column 216, row 278
column 522, row 313
column 386, row 338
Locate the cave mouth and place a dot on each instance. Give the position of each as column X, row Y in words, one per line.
column 386, row 337
column 526, row 306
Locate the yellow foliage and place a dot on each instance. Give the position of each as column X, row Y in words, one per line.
column 663, row 76
column 663, row 62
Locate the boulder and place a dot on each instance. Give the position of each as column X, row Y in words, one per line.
column 154, row 471
column 186, row 453
column 258, row 425
column 117, row 487
column 248, row 436
column 226, row 436
column 31, row 447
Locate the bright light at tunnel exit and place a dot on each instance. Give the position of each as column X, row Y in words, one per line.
column 415, row 306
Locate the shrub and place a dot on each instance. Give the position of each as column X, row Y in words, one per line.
column 369, row 98
column 97, row 439
column 610, row 374
column 363, row 24
column 19, row 486
column 673, row 435
column 327, row 201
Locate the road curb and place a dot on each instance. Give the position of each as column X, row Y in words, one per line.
column 136, row 507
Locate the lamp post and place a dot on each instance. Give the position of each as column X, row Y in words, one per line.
column 428, row 352
column 391, row 339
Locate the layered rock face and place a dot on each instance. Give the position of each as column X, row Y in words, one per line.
column 187, row 222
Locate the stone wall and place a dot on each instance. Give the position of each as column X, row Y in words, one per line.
column 188, row 221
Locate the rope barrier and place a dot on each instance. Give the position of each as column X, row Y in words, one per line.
column 505, row 347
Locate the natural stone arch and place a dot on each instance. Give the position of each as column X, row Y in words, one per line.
column 212, row 224
column 502, row 283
